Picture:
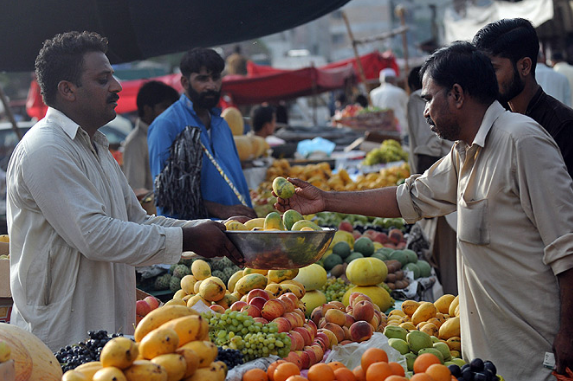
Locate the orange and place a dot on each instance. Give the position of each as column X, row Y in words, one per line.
column 344, row 374
column 371, row 356
column 421, row 377
column 439, row 372
column 359, row 373
column 272, row 367
column 285, row 370
column 423, row 362
column 335, row 365
column 397, row 369
column 320, row 372
column 378, row 371
column 255, row 375
column 396, row 378
column 296, row 377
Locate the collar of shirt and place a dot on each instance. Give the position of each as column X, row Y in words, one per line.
column 141, row 125
column 71, row 128
column 536, row 98
column 492, row 113
column 189, row 106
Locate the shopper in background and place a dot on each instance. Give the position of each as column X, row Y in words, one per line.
column 153, row 98
column 513, row 46
column 552, row 82
column 561, row 66
column 223, row 188
column 76, row 228
column 264, row 120
column 389, row 95
column 515, row 216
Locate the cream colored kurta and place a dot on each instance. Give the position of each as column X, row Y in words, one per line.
column 514, row 199
column 76, row 232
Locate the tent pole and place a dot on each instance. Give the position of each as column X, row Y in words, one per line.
column 358, row 62
column 9, row 113
column 401, row 12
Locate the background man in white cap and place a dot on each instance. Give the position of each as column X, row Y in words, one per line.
column 388, row 95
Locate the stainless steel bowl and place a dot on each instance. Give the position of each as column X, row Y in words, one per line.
column 277, row 250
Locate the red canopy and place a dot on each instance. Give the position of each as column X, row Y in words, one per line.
column 261, row 84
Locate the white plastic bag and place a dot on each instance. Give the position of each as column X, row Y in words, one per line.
column 236, row 374
column 350, row 354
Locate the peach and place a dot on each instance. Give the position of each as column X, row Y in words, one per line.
column 311, row 356
column 252, row 311
column 322, row 323
column 296, row 341
column 328, row 306
column 217, row 308
column 142, row 308
column 332, row 339
column 317, row 351
column 375, row 322
column 321, row 343
column 323, row 337
column 396, row 236
column 337, row 304
column 336, row 329
column 272, row 309
column 335, row 316
column 381, row 238
column 370, row 233
column 346, row 226
column 316, row 315
column 152, row 301
column 283, row 324
column 346, row 333
column 257, row 292
column 312, row 326
column 349, row 320
column 360, row 331
column 258, row 302
column 363, row 310
column 238, row 305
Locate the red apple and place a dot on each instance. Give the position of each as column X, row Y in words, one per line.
column 296, row 340
column 346, row 226
column 304, row 358
column 283, row 324
column 313, row 327
column 142, row 308
column 292, row 318
column 305, row 334
column 292, row 297
column 272, row 309
column 382, row 238
column 261, row 320
column 152, row 301
column 317, row 350
column 289, row 304
column 257, row 292
column 324, row 338
column 311, row 356
column 252, row 311
column 258, row 302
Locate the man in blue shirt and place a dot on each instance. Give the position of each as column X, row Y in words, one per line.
column 224, row 190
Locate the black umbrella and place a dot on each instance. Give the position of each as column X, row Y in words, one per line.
column 139, row 29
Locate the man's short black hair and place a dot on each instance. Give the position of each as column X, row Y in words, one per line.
column 509, row 38
column 463, row 64
column 414, row 79
column 196, row 58
column 154, row 92
column 261, row 115
column 61, row 59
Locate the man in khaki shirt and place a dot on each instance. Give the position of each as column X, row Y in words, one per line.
column 514, row 197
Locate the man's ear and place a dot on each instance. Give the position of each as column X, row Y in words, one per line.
column 458, row 95
column 184, row 82
column 524, row 66
column 67, row 90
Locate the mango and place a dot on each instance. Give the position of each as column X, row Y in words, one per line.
column 282, row 187
column 455, row 343
column 205, row 350
column 399, row 345
column 250, row 282
column 444, row 350
column 145, row 370
column 290, row 217
column 410, row 358
column 212, row 289
column 119, row 352
column 410, row 306
column 235, row 225
column 200, row 269
column 451, row 328
column 233, row 280
column 453, row 305
column 419, row 340
column 109, row 373
column 395, row 332
column 175, row 364
column 305, row 224
column 255, row 223
column 278, row 276
column 424, row 312
column 443, row 303
column 433, row 351
column 158, row 342
column 273, row 221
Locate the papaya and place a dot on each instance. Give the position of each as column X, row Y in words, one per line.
column 443, row 303
column 278, row 276
column 250, row 282
column 282, row 187
column 453, row 305
column 451, row 328
column 273, row 221
column 424, row 312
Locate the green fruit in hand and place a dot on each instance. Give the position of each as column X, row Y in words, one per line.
column 283, row 188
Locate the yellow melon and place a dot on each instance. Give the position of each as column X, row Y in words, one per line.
column 234, row 119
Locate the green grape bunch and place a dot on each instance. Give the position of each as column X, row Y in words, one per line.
column 335, row 288
column 237, row 330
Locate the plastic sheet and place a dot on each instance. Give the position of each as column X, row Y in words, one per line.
column 307, row 147
column 236, row 374
column 350, row 354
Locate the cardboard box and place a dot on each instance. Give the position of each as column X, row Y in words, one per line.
column 5, row 310
column 5, row 278
column 7, row 371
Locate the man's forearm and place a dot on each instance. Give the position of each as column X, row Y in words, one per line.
column 566, row 297
column 380, row 202
column 214, row 209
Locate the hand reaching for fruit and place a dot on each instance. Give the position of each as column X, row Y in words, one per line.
column 307, row 199
column 209, row 240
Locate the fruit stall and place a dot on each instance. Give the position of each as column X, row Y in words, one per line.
column 334, row 297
